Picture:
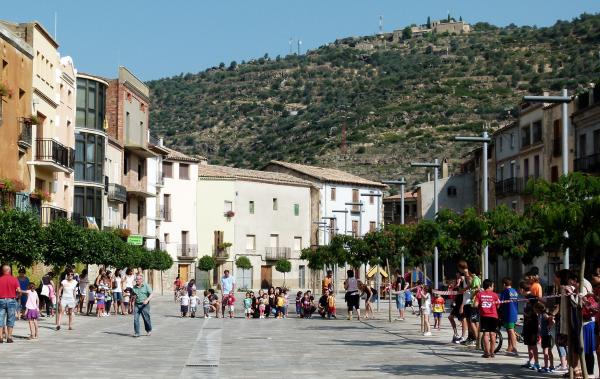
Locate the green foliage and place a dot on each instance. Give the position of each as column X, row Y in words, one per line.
column 243, row 263
column 206, row 263
column 406, row 33
column 283, row 266
column 20, row 238
column 65, row 243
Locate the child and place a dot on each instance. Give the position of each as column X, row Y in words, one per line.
column 184, row 300
column 193, row 304
column 206, row 305
column 100, row 302
column 408, row 300
column 438, row 310
column 126, row 299
column 307, row 305
column 546, row 322
column 530, row 327
column 487, row 303
column 299, row 304
column 280, row 304
column 248, row 305
column 331, row 305
column 509, row 312
column 31, row 311
column 91, row 299
column 230, row 305
column 263, row 305
column 287, row 302
column 426, row 308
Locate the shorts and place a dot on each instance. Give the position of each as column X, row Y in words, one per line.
column 193, row 309
column 456, row 312
column 67, row 303
column 184, row 309
column 100, row 307
column 248, row 311
column 467, row 312
column 530, row 339
column 408, row 303
column 488, row 324
column 547, row 342
column 353, row 300
column 509, row 325
column 231, row 308
column 331, row 310
column 400, row 302
column 32, row 314
column 437, row 314
column 117, row 296
column 426, row 311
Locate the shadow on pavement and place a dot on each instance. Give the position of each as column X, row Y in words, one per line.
column 465, row 370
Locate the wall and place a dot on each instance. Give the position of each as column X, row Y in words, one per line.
column 113, row 211
column 465, row 196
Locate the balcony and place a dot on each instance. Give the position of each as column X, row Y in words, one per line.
column 160, row 181
column 506, row 187
column 54, row 155
column 153, row 139
column 589, row 164
column 160, row 213
column 117, row 192
column 51, row 213
column 137, row 186
column 277, row 253
column 187, row 251
column 26, row 134
column 556, row 147
column 221, row 254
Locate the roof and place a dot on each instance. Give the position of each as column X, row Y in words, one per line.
column 407, row 196
column 174, row 155
column 328, row 174
column 225, row 172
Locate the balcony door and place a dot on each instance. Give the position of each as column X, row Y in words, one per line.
column 597, row 141
column 184, row 242
column 582, row 145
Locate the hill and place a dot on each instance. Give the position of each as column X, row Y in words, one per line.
column 401, row 99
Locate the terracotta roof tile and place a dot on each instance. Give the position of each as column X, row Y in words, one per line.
column 225, row 172
column 175, row 155
column 329, row 174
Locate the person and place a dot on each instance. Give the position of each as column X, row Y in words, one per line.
column 352, row 296
column 280, row 302
column 227, row 287
column 487, row 303
column 9, row 288
column 331, row 305
column 368, row 293
column 128, row 283
column 401, row 287
column 191, row 286
column 184, row 301
column 456, row 313
column 509, row 312
column 271, row 307
column 117, row 293
column 126, row 300
column 327, row 282
column 287, row 302
column 194, row 304
column 67, row 303
column 419, row 295
column 322, row 304
column 534, row 284
column 248, row 305
column 298, row 303
column 100, row 302
column 24, row 285
column 177, row 287
column 32, row 313
column 546, row 323
column 470, row 314
column 82, row 286
column 230, row 305
column 426, row 308
column 206, row 304
column 44, row 291
column 438, row 310
column 307, row 305
column 215, row 305
column 143, row 295
column 530, row 327
column 408, row 300
column 91, row 298
column 313, row 307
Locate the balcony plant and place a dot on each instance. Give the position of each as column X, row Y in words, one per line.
column 229, row 214
column 5, row 90
column 41, row 194
column 223, row 245
column 34, row 120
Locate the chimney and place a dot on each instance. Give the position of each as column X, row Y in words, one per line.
column 444, row 168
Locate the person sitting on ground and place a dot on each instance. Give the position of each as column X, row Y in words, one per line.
column 215, row 304
column 322, row 305
column 307, row 305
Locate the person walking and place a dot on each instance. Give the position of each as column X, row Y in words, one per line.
column 227, row 288
column 66, row 300
column 117, row 293
column 9, row 288
column 24, row 285
column 143, row 295
column 352, row 296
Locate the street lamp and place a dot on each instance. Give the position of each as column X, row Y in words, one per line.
column 402, row 183
column 564, row 100
column 436, row 166
column 485, row 139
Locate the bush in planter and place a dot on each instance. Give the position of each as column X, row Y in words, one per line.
column 223, row 246
column 34, row 120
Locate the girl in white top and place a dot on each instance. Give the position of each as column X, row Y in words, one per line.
column 426, row 309
column 66, row 291
column 32, row 313
column 128, row 280
column 118, row 292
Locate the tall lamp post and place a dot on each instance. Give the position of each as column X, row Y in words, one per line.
column 564, row 100
column 436, row 166
column 486, row 140
column 378, row 227
column 402, row 183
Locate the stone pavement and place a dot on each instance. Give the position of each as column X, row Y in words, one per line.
column 240, row 348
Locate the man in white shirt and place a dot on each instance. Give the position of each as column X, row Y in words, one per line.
column 227, row 288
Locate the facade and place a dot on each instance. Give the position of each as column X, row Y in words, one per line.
column 176, row 212
column 264, row 216
column 117, row 193
column 392, row 209
column 15, row 110
column 586, row 122
column 455, row 192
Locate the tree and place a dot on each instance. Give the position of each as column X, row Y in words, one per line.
column 207, row 263
column 284, row 266
column 64, row 242
column 407, row 33
column 243, row 263
column 428, row 22
column 20, row 237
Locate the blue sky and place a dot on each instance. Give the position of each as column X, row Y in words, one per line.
column 156, row 38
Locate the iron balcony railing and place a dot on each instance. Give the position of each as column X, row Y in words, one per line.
column 187, row 251
column 50, row 150
column 511, row 186
column 50, row 213
column 276, row 253
column 589, row 164
column 117, row 192
column 26, row 134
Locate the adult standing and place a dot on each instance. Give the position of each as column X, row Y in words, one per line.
column 24, row 285
column 143, row 295
column 45, row 290
column 352, row 296
column 84, row 281
column 327, row 283
column 128, row 283
column 66, row 297
column 117, row 290
column 9, row 287
column 227, row 288
column 400, row 287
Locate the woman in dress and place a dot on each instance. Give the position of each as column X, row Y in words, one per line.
column 67, row 303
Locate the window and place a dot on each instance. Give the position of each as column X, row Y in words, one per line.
column 596, row 138
column 536, row 130
column 372, row 226
column 167, row 238
column 87, row 202
column 525, row 137
column 333, row 194
column 89, row 157
column 332, row 227
column 274, row 240
column 512, row 140
column 297, row 243
column 141, row 165
column 451, row 191
column 355, row 230
column 167, row 169
column 536, row 166
column 251, row 207
column 296, row 209
column 167, row 206
column 526, row 168
column 250, row 242
column 90, row 104
column 184, row 171
column 582, row 145
column 227, row 206
column 355, row 199
column 371, row 198
column 274, row 204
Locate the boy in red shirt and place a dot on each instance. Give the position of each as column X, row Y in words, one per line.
column 487, row 302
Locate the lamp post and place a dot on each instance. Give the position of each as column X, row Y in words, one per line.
column 436, row 166
column 486, row 140
column 402, row 183
column 564, row 100
column 378, row 226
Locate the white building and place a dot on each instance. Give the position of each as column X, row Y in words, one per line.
column 176, row 212
column 264, row 216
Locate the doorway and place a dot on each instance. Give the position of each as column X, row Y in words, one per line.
column 266, row 276
column 184, row 273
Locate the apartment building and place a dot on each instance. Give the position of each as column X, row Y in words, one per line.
column 392, row 208
column 265, row 216
column 586, row 123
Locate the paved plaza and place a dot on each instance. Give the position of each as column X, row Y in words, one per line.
column 240, row 348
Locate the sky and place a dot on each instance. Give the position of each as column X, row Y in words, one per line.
column 156, row 38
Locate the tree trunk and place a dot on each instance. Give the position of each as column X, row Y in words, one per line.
column 579, row 311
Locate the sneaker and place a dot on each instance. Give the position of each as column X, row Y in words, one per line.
column 535, row 367
column 471, row 343
column 561, row 369
column 149, row 333
column 527, row 365
column 546, row 370
column 427, row 334
column 459, row 340
column 136, row 335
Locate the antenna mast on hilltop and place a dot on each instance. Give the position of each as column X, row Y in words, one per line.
column 299, row 43
column 291, row 42
column 380, row 25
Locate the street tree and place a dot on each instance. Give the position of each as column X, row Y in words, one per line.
column 243, row 263
column 284, row 266
column 207, row 263
column 20, row 238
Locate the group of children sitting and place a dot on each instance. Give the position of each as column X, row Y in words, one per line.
column 101, row 296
